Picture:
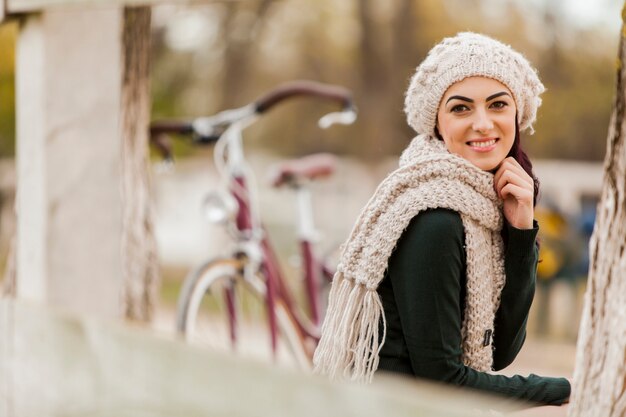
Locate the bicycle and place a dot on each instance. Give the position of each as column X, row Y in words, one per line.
column 252, row 266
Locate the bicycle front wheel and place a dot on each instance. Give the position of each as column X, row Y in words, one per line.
column 219, row 310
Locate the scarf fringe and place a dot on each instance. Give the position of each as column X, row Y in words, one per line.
column 428, row 177
column 349, row 347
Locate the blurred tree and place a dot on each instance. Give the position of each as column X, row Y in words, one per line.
column 373, row 48
column 139, row 253
column 600, row 373
column 7, row 89
column 242, row 25
column 8, row 33
column 375, row 66
column 575, row 112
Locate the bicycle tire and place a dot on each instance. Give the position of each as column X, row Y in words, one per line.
column 204, row 326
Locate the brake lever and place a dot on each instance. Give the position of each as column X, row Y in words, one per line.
column 344, row 117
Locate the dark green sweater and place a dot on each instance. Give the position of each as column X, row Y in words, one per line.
column 423, row 295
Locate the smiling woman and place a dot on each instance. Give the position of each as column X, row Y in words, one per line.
column 438, row 275
column 476, row 120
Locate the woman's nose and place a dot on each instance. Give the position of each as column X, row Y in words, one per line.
column 482, row 122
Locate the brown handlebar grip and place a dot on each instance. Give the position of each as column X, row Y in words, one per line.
column 304, row 88
column 163, row 144
column 170, row 126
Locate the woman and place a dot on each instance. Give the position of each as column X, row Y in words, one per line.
column 438, row 274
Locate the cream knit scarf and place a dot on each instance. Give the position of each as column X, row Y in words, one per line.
column 428, row 177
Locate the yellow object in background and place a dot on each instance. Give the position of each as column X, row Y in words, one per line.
column 550, row 262
column 552, row 229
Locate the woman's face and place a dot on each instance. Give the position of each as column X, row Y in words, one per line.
column 476, row 119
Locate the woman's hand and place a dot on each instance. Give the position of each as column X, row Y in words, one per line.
column 516, row 188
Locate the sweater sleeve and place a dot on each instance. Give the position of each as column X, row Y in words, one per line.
column 426, row 271
column 520, row 263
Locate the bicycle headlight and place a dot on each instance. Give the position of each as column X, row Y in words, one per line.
column 219, row 208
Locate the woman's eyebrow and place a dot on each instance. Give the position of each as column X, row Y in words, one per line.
column 469, row 100
column 502, row 93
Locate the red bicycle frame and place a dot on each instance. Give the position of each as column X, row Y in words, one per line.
column 274, row 279
column 224, row 129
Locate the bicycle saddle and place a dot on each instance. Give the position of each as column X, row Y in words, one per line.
column 293, row 171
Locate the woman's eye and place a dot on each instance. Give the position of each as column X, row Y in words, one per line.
column 459, row 108
column 499, row 104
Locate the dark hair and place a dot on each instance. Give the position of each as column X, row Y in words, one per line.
column 522, row 158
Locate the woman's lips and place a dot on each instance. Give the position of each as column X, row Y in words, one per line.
column 483, row 145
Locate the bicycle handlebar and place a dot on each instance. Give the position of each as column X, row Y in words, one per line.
column 161, row 129
column 207, row 130
column 171, row 126
column 164, row 127
column 304, row 88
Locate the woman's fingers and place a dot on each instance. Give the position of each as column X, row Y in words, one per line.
column 519, row 193
column 521, row 172
column 510, row 164
column 512, row 177
column 518, row 205
column 516, row 188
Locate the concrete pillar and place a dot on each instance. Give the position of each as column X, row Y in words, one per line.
column 68, row 88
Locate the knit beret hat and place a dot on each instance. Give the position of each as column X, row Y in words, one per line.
column 466, row 55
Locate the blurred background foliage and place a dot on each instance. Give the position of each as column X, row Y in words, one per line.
column 7, row 89
column 221, row 55
column 209, row 57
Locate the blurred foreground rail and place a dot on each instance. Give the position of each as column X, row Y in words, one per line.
column 57, row 365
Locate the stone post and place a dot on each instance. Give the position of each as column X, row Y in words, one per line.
column 68, row 86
